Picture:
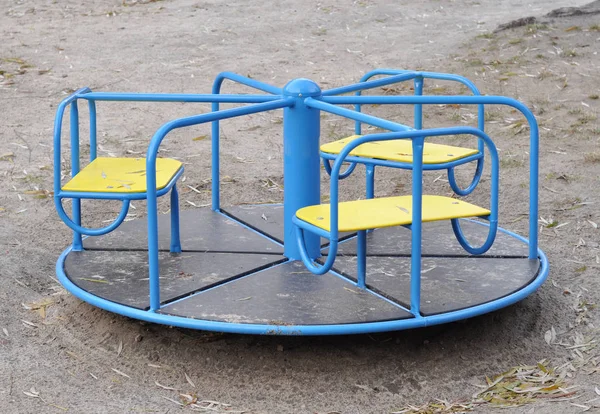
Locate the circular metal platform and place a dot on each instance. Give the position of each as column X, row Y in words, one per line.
column 232, row 276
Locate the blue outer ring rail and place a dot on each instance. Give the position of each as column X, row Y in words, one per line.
column 341, row 329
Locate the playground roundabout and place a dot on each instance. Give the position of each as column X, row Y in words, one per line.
column 302, row 268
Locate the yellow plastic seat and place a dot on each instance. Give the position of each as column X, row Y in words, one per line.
column 400, row 150
column 121, row 175
column 388, row 211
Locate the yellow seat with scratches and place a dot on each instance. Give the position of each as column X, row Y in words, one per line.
column 387, row 212
column 121, row 175
column 399, row 150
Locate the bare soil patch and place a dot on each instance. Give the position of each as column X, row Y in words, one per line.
column 58, row 354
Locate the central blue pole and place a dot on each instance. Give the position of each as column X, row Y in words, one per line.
column 301, row 163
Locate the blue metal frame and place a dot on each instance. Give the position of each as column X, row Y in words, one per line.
column 398, row 76
column 418, row 139
column 151, row 156
column 468, row 100
column 302, row 101
column 215, row 133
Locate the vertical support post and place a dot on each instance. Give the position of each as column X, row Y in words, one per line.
column 417, row 206
column 418, row 122
column 215, row 180
column 416, row 227
column 175, row 239
column 93, row 130
column 301, row 163
column 534, row 167
column 480, row 143
column 152, row 205
column 357, row 124
column 361, row 259
column 74, row 130
column 370, row 177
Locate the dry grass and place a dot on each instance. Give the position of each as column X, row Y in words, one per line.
column 518, row 386
column 592, row 157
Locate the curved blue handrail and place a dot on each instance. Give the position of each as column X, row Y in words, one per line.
column 345, row 174
column 397, row 76
column 60, row 111
column 86, row 230
column 151, row 156
column 470, row 100
column 333, row 233
column 274, row 329
column 214, row 131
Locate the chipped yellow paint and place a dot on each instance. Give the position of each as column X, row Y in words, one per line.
column 121, row 175
column 388, row 211
column 400, row 150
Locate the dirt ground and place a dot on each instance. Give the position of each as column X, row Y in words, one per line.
column 58, row 354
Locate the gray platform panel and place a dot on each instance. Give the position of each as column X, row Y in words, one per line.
column 447, row 283
column 122, row 276
column 201, row 230
column 268, row 218
column 290, row 295
column 438, row 240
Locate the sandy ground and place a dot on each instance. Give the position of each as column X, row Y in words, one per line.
column 58, row 354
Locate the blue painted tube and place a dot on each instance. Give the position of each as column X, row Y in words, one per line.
column 74, row 129
column 253, row 83
column 345, row 174
column 418, row 121
column 313, row 229
column 215, row 166
column 78, row 228
column 425, row 75
column 151, row 156
column 493, row 218
column 440, row 76
column 476, row 178
column 487, row 244
column 301, row 163
column 340, row 329
column 93, row 130
column 370, row 180
column 58, row 119
column 171, row 97
column 215, row 145
column 472, row 100
column 303, row 251
column 403, row 165
column 361, row 259
column 175, row 239
column 368, row 76
column 383, row 71
column 324, row 105
column 335, row 171
column 417, row 214
column 361, row 86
